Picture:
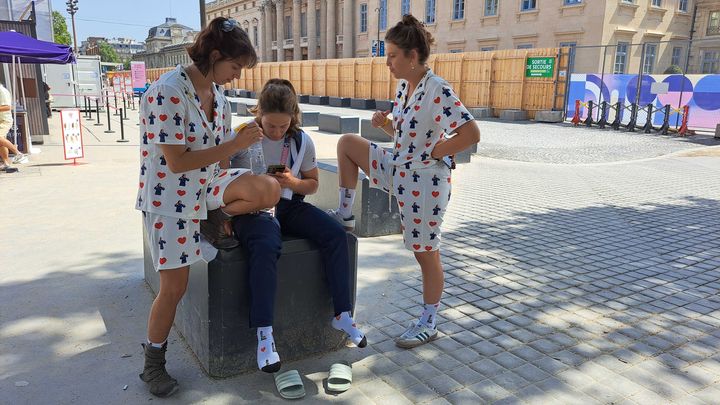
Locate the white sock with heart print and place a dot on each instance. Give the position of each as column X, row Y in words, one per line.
column 347, row 198
column 268, row 359
column 345, row 323
column 429, row 314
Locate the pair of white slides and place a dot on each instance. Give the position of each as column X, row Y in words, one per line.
column 290, row 385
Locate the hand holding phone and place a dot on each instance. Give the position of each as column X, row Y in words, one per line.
column 273, row 169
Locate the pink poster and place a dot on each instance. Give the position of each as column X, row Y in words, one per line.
column 137, row 70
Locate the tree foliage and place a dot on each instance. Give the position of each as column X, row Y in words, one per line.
column 60, row 29
column 107, row 53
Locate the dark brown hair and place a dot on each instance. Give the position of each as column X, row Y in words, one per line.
column 232, row 43
column 279, row 96
column 411, row 34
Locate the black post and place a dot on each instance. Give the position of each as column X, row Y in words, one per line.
column 648, row 122
column 132, row 99
column 666, row 121
column 633, row 117
column 116, row 108
column 123, row 113
column 122, row 129
column 97, row 112
column 85, row 101
column 124, row 96
column 618, row 116
column 603, row 115
column 109, row 130
column 589, row 119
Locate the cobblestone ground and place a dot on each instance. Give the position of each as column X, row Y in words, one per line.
column 563, row 143
column 568, row 284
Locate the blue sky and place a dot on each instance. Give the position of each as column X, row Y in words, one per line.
column 127, row 18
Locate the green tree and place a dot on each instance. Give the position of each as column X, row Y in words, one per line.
column 673, row 70
column 60, row 29
column 107, row 53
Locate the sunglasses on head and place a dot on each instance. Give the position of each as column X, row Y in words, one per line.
column 229, row 25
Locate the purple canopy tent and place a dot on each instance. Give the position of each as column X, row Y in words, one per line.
column 19, row 48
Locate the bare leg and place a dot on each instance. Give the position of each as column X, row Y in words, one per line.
column 249, row 193
column 173, row 283
column 353, row 152
column 4, row 155
column 433, row 277
column 4, row 143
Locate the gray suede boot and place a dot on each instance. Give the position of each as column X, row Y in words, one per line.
column 154, row 373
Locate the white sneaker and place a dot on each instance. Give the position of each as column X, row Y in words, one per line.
column 347, row 223
column 20, row 158
column 416, row 335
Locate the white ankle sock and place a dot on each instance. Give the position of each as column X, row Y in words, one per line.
column 156, row 345
column 347, row 198
column 429, row 314
column 267, row 356
column 345, row 323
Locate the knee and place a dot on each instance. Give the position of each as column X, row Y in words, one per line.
column 173, row 292
column 270, row 191
column 345, row 142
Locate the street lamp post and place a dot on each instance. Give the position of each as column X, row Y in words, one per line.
column 72, row 8
column 377, row 43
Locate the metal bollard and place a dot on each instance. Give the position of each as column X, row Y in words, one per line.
column 122, row 130
column 97, row 112
column 117, row 112
column 109, row 130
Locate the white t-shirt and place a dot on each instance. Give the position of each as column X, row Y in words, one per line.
column 272, row 152
column 171, row 114
column 5, row 100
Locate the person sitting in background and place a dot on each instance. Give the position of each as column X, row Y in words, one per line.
column 6, row 122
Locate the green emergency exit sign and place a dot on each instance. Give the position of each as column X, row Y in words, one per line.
column 540, row 66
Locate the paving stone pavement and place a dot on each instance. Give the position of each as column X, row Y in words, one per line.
column 565, row 284
column 569, row 284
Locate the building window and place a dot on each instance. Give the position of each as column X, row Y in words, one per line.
column 455, row 50
column 649, row 62
column 363, row 17
column 255, row 35
column 491, row 7
column 711, row 62
column 317, row 23
column 527, row 5
column 525, row 46
column 620, row 58
column 405, row 7
column 429, row 11
column 303, row 24
column 487, row 48
column 458, row 9
column 383, row 15
column 571, row 2
column 714, row 23
column 656, row 3
column 683, row 5
column 676, row 55
column 288, row 27
column 568, row 44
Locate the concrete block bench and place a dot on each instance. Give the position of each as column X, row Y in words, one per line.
column 549, row 116
column 213, row 316
column 481, row 112
column 303, row 98
column 513, row 115
column 372, row 134
column 339, row 101
column 362, row 103
column 338, row 124
column 375, row 213
column 243, row 109
column 310, row 118
column 318, row 100
column 383, row 105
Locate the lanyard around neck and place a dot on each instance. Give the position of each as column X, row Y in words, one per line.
column 285, row 151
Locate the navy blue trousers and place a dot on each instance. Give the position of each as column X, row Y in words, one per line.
column 260, row 236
